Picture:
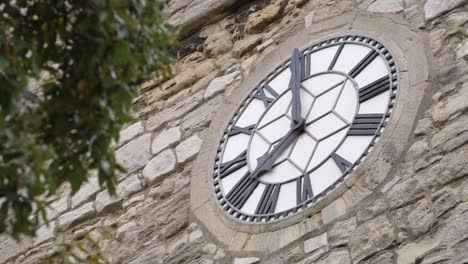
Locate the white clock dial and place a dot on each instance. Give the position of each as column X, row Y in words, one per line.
column 305, row 128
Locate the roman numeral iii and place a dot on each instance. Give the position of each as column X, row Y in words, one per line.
column 366, row 125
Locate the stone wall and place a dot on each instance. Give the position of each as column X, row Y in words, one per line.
column 416, row 214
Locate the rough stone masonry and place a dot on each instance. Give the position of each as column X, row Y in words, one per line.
column 418, row 215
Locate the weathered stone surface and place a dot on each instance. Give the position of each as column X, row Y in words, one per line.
column 199, row 11
column 371, row 210
column 404, row 192
column 462, row 52
column 384, row 258
column 410, row 252
column 245, row 45
column 334, row 210
column 76, row 216
column 44, row 233
column 130, row 132
column 246, row 260
column 386, row 6
column 434, row 8
column 339, row 234
column 197, row 234
column 444, row 203
column 330, row 11
column 188, row 148
column 135, row 154
column 165, row 139
column 446, row 170
column 220, row 84
column 159, row 166
column 421, row 218
column 337, row 257
column 455, row 227
column 86, row 192
column 423, row 127
column 218, row 43
column 370, row 237
column 453, row 104
column 450, row 132
column 257, row 21
column 200, row 117
column 56, row 208
column 104, row 201
column 260, row 48
column 315, row 243
column 417, row 149
column 174, row 112
column 10, row 247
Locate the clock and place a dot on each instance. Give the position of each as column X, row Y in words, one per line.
column 304, row 128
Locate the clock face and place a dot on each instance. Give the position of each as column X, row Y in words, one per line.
column 304, row 128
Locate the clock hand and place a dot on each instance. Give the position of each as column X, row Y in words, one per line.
column 265, row 162
column 296, row 88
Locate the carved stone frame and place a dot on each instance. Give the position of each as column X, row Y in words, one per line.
column 409, row 53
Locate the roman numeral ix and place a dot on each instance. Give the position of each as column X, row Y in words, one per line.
column 366, row 125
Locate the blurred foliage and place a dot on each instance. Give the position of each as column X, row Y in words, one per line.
column 88, row 249
column 69, row 70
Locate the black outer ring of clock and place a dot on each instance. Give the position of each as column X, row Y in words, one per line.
column 242, row 217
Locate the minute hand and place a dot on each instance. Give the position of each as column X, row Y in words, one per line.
column 296, row 88
column 265, row 163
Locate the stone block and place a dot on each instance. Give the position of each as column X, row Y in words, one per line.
column 44, row 233
column 130, row 133
column 455, row 103
column 251, row 260
column 86, row 192
column 178, row 110
column 201, row 116
column 386, row 6
column 315, row 243
column 435, row 8
column 257, row 21
column 218, row 43
column 247, row 44
column 421, row 218
column 337, row 257
column 220, row 84
column 188, row 148
column 135, row 154
column 159, row 166
column 450, row 131
column 334, row 210
column 409, row 253
column 104, row 201
column 371, row 237
column 340, row 232
column 165, row 139
column 76, row 216
column 57, row 208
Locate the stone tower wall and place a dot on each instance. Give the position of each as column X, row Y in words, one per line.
column 412, row 210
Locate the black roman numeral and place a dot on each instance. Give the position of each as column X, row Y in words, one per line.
column 242, row 190
column 366, row 125
column 363, row 63
column 231, row 166
column 269, row 198
column 305, row 66
column 375, row 88
column 335, row 58
column 341, row 162
column 262, row 96
column 303, row 189
column 244, row 130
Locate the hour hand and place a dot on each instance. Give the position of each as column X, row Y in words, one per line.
column 296, row 88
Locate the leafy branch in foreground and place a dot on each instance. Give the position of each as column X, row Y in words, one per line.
column 68, row 73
